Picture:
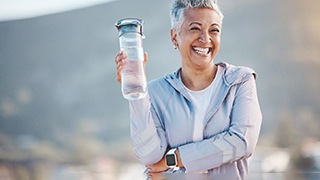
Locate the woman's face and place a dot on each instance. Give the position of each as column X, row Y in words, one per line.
column 198, row 37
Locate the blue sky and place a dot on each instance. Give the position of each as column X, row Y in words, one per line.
column 21, row 9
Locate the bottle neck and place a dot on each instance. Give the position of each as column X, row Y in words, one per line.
column 130, row 39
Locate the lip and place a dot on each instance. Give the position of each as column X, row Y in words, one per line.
column 202, row 50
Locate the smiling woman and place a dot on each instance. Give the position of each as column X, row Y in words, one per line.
column 13, row 10
column 203, row 118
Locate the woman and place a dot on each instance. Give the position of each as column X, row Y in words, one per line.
column 205, row 117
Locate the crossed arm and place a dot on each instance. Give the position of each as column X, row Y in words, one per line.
column 150, row 143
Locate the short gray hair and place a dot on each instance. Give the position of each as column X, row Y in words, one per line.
column 179, row 6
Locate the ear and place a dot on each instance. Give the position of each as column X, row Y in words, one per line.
column 173, row 34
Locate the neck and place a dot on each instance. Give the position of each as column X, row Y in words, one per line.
column 198, row 79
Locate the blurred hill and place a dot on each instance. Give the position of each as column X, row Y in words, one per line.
column 57, row 72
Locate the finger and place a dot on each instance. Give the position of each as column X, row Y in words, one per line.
column 120, row 64
column 118, row 78
column 146, row 57
column 150, row 176
column 117, row 57
column 120, row 61
column 151, row 170
column 120, row 57
column 119, row 71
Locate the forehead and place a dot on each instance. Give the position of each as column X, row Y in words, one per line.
column 202, row 15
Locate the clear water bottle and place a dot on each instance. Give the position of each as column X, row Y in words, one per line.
column 133, row 79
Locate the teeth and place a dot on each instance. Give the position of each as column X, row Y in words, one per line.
column 201, row 50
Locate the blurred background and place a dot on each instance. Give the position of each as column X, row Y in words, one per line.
column 62, row 115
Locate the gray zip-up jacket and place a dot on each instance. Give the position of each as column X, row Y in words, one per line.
column 165, row 119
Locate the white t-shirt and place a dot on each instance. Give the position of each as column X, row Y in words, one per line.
column 200, row 100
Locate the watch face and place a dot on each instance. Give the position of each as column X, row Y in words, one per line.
column 171, row 160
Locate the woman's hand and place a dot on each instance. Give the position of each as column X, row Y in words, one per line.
column 160, row 166
column 120, row 61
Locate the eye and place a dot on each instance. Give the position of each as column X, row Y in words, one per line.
column 195, row 29
column 215, row 30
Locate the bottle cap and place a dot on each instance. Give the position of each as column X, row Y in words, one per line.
column 129, row 25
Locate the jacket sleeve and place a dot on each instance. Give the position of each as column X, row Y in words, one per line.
column 237, row 142
column 148, row 138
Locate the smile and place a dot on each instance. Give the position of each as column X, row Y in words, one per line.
column 203, row 51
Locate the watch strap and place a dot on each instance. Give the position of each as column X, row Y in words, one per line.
column 171, row 151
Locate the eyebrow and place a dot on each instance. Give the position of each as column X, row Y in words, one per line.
column 198, row 23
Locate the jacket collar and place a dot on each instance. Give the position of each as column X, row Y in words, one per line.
column 232, row 75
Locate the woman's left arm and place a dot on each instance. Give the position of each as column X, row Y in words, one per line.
column 237, row 142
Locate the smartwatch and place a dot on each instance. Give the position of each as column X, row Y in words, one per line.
column 171, row 158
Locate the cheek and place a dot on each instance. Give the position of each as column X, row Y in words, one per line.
column 184, row 44
column 216, row 39
column 185, row 38
column 182, row 40
column 216, row 42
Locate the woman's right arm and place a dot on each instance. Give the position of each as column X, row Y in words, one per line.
column 147, row 135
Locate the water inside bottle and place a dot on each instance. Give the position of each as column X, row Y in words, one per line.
column 134, row 85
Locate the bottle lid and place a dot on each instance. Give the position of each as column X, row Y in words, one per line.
column 129, row 25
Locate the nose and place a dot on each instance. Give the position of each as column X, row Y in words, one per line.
column 204, row 38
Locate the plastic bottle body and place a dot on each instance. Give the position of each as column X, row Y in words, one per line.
column 133, row 79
